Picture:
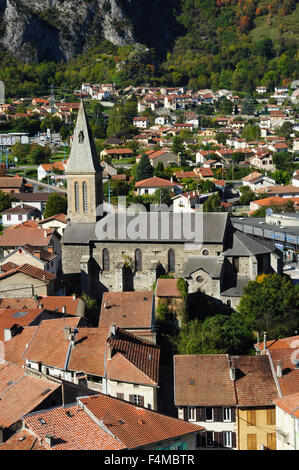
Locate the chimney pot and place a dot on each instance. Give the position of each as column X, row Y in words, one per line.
column 113, row 329
column 67, row 331
column 74, row 296
column 63, row 309
column 7, row 334
column 265, row 340
column 232, row 373
column 49, row 439
column 279, row 369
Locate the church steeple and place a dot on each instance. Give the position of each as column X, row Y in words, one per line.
column 83, row 173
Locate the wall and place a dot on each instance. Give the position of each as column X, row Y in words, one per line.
column 21, row 285
column 185, row 442
column 261, row 429
column 149, row 393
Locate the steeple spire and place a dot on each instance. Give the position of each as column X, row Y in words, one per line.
column 83, row 158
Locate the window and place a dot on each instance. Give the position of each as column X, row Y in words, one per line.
column 227, row 415
column 205, row 252
column 251, row 442
column 229, row 303
column 210, row 439
column 106, row 260
column 84, row 190
column 76, row 189
column 138, row 260
column 227, row 439
column 199, row 279
column 271, row 441
column 81, row 137
column 251, row 418
column 191, row 413
column 171, row 261
column 8, row 217
column 137, row 399
column 271, row 417
column 236, row 264
column 20, row 217
column 209, row 414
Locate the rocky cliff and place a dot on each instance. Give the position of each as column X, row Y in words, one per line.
column 59, row 29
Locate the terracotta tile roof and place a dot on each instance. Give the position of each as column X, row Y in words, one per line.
column 20, row 210
column 205, row 172
column 72, row 429
column 26, row 234
column 167, row 288
column 155, row 182
column 16, row 318
column 21, row 396
column 283, row 343
column 8, row 266
column 255, row 384
column 135, row 426
column 59, row 217
column 144, row 355
column 118, row 151
column 32, row 197
column 252, row 175
column 18, row 303
column 289, row 382
column 11, row 181
column 52, row 352
column 16, row 346
column 186, row 174
column 288, row 189
column 22, row 440
column 127, row 309
column 289, row 404
column 31, row 271
column 57, row 302
column 44, row 255
column 212, row 384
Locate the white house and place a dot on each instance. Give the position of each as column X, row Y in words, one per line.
column 150, row 185
column 287, row 422
column 17, row 215
column 141, row 122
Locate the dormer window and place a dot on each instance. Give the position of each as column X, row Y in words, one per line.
column 81, row 137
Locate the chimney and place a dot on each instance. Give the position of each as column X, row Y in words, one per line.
column 49, row 439
column 279, row 369
column 1, row 435
column 7, row 334
column 51, row 249
column 66, row 331
column 41, row 306
column 63, row 309
column 74, row 296
column 265, row 341
column 232, row 372
column 113, row 329
column 37, row 254
column 109, row 351
column 45, row 233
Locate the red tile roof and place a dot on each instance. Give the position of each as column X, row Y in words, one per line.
column 289, row 404
column 289, row 382
column 22, row 440
column 127, row 309
column 135, row 426
column 26, row 234
column 16, row 346
column 57, row 302
column 72, row 429
column 167, row 288
column 14, row 318
column 21, row 396
column 31, row 271
column 155, row 182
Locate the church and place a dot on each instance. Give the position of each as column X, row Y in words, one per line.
column 123, row 258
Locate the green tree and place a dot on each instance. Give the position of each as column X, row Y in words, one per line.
column 92, row 310
column 144, row 169
column 5, row 201
column 56, row 204
column 162, row 196
column 213, row 204
column 271, row 304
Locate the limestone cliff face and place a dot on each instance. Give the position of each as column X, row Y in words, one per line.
column 35, row 30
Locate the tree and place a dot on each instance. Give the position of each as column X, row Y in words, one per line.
column 213, row 204
column 159, row 170
column 39, row 154
column 162, row 196
column 271, row 304
column 5, row 201
column 248, row 106
column 92, row 310
column 144, row 169
column 286, row 129
column 251, row 132
column 247, row 196
column 56, row 204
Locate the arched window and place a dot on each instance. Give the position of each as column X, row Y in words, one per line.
column 105, row 260
column 81, row 137
column 76, row 189
column 138, row 260
column 171, row 261
column 84, row 191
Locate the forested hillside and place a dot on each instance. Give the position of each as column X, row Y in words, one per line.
column 236, row 44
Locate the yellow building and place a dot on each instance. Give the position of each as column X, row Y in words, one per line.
column 256, row 428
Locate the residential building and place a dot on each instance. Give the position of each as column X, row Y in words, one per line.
column 131, row 311
column 109, row 360
column 18, row 214
column 14, row 184
column 106, row 423
column 230, row 396
column 287, row 422
column 117, row 153
column 38, row 257
column 25, row 281
column 57, row 222
column 150, row 185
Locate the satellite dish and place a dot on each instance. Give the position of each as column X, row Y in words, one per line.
column 269, row 211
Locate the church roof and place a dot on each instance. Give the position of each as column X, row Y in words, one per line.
column 83, row 157
column 210, row 264
column 243, row 245
column 166, row 227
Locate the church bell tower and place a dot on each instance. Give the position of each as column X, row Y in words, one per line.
column 83, row 174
